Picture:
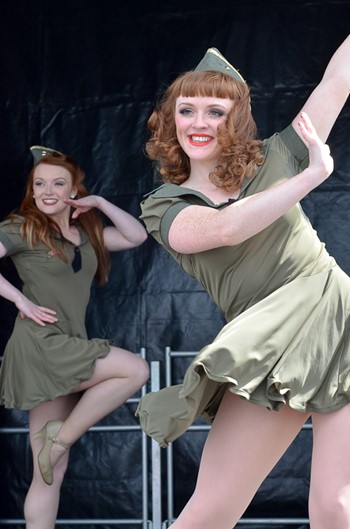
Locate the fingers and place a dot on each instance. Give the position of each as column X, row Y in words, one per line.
column 306, row 127
column 38, row 321
column 80, row 205
column 48, row 311
column 307, row 122
column 41, row 320
column 41, row 315
column 310, row 135
column 45, row 314
column 75, row 214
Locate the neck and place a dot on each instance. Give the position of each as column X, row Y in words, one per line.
column 200, row 171
column 199, row 181
column 62, row 222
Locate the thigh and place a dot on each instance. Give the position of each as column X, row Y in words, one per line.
column 119, row 363
column 244, row 444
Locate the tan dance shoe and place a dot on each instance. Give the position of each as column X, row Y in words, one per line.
column 49, row 435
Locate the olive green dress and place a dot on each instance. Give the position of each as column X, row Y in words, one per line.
column 287, row 303
column 42, row 363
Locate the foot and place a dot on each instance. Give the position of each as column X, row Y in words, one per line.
column 52, row 450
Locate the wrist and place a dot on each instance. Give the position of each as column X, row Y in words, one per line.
column 309, row 179
column 17, row 297
column 100, row 202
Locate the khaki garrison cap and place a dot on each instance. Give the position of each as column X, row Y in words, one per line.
column 214, row 61
column 38, row 152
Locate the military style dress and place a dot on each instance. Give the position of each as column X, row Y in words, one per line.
column 287, row 303
column 42, row 363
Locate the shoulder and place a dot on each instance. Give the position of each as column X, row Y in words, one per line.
column 12, row 222
column 10, row 234
column 160, row 207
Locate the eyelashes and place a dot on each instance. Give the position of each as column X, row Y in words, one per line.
column 212, row 113
column 40, row 184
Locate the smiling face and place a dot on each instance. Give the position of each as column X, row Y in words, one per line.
column 197, row 120
column 52, row 185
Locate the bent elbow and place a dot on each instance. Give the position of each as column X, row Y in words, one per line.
column 144, row 237
column 141, row 238
column 229, row 236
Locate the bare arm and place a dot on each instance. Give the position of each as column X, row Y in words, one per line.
column 27, row 309
column 197, row 228
column 328, row 98
column 127, row 232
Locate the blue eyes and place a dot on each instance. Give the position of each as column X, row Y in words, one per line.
column 212, row 112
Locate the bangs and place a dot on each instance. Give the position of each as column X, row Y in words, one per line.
column 65, row 161
column 208, row 84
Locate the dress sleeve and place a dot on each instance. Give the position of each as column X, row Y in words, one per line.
column 296, row 146
column 158, row 213
column 10, row 236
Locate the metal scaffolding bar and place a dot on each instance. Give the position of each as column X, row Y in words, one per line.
column 142, row 522
column 169, row 355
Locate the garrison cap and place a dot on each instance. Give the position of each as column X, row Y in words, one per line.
column 38, row 152
column 214, row 61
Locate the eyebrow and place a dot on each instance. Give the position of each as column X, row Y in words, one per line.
column 54, row 180
column 212, row 105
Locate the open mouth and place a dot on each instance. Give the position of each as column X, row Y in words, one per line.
column 200, row 139
column 50, row 201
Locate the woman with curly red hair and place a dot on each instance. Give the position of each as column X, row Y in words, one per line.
column 229, row 214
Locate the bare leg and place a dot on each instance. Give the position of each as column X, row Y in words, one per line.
column 116, row 378
column 330, row 471
column 41, row 504
column 243, row 445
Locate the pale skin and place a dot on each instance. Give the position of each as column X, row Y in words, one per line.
column 115, row 378
column 233, row 463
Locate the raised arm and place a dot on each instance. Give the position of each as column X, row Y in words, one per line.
column 40, row 315
column 328, row 98
column 197, row 228
column 127, row 232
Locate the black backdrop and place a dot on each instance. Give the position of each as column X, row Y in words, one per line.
column 82, row 76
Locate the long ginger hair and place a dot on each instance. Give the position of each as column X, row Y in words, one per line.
column 241, row 150
column 38, row 227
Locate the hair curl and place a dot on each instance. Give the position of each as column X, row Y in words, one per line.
column 38, row 227
column 241, row 151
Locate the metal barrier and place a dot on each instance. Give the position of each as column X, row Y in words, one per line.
column 144, row 521
column 169, row 355
column 156, row 460
column 157, row 521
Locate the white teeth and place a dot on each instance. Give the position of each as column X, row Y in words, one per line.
column 49, row 201
column 200, row 139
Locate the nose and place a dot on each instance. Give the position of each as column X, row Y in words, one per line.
column 200, row 121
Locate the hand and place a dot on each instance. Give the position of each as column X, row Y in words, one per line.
column 320, row 160
column 40, row 315
column 82, row 205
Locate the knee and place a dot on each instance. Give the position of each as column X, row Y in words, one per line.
column 330, row 510
column 142, row 372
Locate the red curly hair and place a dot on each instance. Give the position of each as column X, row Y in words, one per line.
column 241, row 151
column 38, row 227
